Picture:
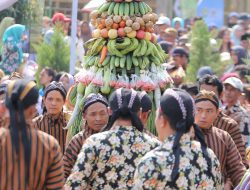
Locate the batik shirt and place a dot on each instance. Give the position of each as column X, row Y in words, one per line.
column 108, row 160
column 244, row 120
column 155, row 168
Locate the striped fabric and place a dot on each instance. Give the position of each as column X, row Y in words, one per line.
column 73, row 149
column 226, row 151
column 53, row 126
column 229, row 125
column 46, row 166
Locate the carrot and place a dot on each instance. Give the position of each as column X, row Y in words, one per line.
column 103, row 54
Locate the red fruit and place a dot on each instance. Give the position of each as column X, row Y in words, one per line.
column 153, row 38
column 140, row 34
column 121, row 32
column 115, row 26
column 122, row 24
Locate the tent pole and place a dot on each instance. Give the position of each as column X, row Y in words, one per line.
column 73, row 37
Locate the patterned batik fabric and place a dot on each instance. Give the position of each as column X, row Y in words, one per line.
column 108, row 160
column 155, row 168
column 244, row 121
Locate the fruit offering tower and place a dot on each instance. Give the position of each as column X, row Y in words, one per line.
column 122, row 53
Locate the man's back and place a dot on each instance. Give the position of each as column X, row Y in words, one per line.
column 45, row 169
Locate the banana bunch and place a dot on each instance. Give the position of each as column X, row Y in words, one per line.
column 72, row 95
column 125, row 8
column 121, row 49
column 95, row 46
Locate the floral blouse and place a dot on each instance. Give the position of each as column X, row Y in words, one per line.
column 108, row 160
column 155, row 168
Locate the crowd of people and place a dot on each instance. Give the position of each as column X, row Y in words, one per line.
column 203, row 127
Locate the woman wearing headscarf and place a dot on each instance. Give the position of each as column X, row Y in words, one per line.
column 108, row 160
column 67, row 80
column 5, row 23
column 178, row 23
column 54, row 119
column 95, row 114
column 238, row 54
column 237, row 32
column 29, row 158
column 12, row 53
column 179, row 163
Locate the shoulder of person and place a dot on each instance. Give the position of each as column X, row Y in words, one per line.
column 37, row 119
column 227, row 119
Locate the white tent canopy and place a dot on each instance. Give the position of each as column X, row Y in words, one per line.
column 92, row 5
column 4, row 4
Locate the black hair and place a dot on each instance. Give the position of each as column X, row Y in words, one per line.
column 241, row 53
column 119, row 102
column 190, row 88
column 212, row 80
column 146, row 102
column 58, row 76
column 50, row 72
column 20, row 95
column 172, row 110
column 166, row 46
column 242, row 70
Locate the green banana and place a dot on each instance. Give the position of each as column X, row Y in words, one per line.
column 111, row 8
column 143, row 49
column 91, row 61
column 137, row 10
column 155, row 60
column 126, row 9
column 137, row 71
column 141, row 8
column 149, row 9
column 129, row 62
column 149, row 48
column 73, row 93
column 132, row 47
column 135, row 61
column 121, row 9
column 117, row 61
column 122, row 62
column 97, row 60
column 124, row 44
column 116, row 9
column 106, row 60
column 131, row 9
column 146, row 61
column 105, row 89
column 96, row 48
column 137, row 50
column 112, row 49
column 112, row 62
column 142, row 65
column 90, row 43
column 158, row 54
column 104, row 7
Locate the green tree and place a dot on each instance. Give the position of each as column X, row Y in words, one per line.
column 20, row 10
column 55, row 54
column 201, row 51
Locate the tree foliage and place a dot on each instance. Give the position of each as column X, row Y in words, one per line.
column 20, row 10
column 201, row 51
column 55, row 54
